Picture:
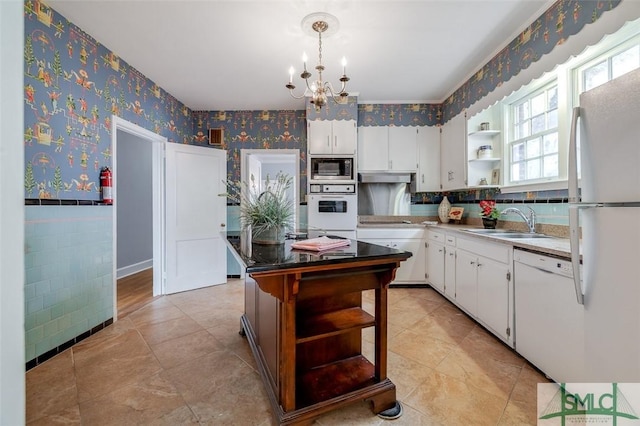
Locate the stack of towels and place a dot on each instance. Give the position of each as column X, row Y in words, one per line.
column 320, row 243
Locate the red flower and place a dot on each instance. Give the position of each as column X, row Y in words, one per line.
column 488, row 209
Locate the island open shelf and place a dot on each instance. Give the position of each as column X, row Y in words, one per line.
column 304, row 319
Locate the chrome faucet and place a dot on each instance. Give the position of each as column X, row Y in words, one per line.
column 530, row 221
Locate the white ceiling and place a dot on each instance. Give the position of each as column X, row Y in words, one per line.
column 235, row 55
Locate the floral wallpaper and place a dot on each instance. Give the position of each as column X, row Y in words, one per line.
column 399, row 114
column 255, row 130
column 565, row 18
column 72, row 86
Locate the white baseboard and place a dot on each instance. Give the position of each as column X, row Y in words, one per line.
column 134, row 269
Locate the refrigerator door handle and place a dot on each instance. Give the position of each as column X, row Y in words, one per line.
column 573, row 157
column 574, row 244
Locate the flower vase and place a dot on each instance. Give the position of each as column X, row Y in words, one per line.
column 489, row 223
column 443, row 210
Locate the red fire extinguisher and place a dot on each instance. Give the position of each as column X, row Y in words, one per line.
column 106, row 185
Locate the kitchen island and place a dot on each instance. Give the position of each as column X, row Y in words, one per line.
column 304, row 319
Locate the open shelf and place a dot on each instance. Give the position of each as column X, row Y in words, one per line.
column 484, row 159
column 332, row 323
column 486, row 133
column 333, row 380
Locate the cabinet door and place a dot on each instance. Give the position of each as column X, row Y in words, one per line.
column 373, row 146
column 412, row 269
column 345, row 139
column 319, row 137
column 403, row 150
column 450, row 272
column 466, row 281
column 436, row 266
column 428, row 142
column 453, row 147
column 493, row 295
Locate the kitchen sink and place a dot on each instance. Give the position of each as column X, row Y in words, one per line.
column 511, row 235
column 502, row 233
column 490, row 231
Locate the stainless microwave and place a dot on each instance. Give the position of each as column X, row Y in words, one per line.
column 324, row 168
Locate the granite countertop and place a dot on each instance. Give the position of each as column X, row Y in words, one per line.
column 557, row 245
column 261, row 258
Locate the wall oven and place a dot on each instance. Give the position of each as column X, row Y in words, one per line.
column 331, row 169
column 333, row 209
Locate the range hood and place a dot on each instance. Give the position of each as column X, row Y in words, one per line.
column 384, row 177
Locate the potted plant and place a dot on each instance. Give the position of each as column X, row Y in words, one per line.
column 489, row 214
column 268, row 214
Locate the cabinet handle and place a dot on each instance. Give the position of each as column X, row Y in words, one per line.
column 335, row 141
column 472, row 263
column 479, row 265
column 422, row 178
column 390, row 164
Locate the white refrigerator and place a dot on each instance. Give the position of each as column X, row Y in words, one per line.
column 604, row 216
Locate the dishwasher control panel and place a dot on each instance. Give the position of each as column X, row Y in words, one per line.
column 544, row 262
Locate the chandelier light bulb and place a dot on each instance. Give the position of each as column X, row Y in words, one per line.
column 291, row 71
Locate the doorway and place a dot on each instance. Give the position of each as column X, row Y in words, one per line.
column 263, row 163
column 138, row 189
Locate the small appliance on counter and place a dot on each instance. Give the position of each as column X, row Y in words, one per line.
column 385, row 194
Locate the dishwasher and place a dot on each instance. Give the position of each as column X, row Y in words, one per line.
column 549, row 322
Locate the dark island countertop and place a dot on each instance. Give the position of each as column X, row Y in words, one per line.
column 262, row 258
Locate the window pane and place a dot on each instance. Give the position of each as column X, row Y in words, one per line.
column 522, row 130
column 522, row 112
column 537, row 124
column 552, row 98
column 550, row 166
column 517, row 152
column 533, row 169
column 552, row 119
column 625, row 61
column 538, row 104
column 596, row 75
column 550, row 142
column 517, row 172
column 533, row 148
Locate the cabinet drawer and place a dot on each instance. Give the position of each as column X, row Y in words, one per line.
column 497, row 252
column 436, row 236
column 390, row 233
column 450, row 240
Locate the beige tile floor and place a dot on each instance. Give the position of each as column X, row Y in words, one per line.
column 180, row 360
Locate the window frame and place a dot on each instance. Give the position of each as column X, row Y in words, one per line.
column 569, row 80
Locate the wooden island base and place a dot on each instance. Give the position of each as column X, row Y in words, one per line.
column 304, row 325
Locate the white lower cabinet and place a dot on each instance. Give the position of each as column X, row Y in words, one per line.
column 476, row 276
column 435, row 260
column 484, row 287
column 412, row 270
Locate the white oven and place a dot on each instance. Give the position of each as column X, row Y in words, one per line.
column 332, row 208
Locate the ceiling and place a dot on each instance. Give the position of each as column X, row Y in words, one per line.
column 235, row 54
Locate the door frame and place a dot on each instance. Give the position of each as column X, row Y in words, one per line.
column 158, row 143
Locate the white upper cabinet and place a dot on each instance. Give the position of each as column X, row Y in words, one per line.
column 382, row 148
column 453, row 158
column 331, row 137
column 373, row 147
column 428, row 178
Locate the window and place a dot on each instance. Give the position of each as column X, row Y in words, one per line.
column 609, row 66
column 533, row 150
column 537, row 117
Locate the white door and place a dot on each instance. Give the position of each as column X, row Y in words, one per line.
column 195, row 217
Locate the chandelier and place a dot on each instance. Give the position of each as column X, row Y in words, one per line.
column 320, row 90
